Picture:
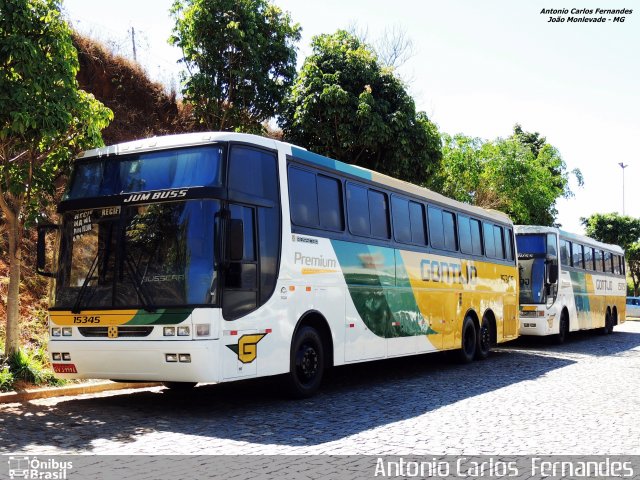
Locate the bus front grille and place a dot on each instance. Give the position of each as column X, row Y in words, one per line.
column 134, row 331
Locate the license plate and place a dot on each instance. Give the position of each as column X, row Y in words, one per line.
column 64, row 368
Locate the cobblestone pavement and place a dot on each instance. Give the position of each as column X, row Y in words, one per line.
column 528, row 397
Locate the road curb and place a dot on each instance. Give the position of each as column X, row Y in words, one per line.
column 33, row 393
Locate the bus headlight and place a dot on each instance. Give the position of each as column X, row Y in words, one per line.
column 171, row 357
column 67, row 331
column 66, row 357
column 183, row 331
column 202, row 330
column 169, row 331
column 56, row 356
column 56, row 332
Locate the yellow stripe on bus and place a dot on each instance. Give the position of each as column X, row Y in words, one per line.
column 89, row 318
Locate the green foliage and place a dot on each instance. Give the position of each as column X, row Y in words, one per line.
column 241, row 59
column 6, row 378
column 346, row 105
column 612, row 228
column 30, row 366
column 632, row 253
column 522, row 175
column 45, row 120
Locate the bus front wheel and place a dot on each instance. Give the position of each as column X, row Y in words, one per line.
column 307, row 363
column 563, row 331
column 469, row 341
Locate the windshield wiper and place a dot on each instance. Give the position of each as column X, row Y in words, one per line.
column 85, row 284
column 133, row 272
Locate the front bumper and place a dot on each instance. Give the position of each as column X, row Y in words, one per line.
column 142, row 361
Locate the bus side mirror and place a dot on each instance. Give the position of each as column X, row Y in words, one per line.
column 552, row 273
column 236, row 240
column 41, row 249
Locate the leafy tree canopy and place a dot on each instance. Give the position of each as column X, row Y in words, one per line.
column 633, row 260
column 521, row 175
column 345, row 104
column 241, row 59
column 45, row 119
column 613, row 228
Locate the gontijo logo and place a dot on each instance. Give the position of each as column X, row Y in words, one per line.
column 34, row 468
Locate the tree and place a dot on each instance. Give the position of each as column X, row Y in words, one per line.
column 632, row 253
column 345, row 104
column 612, row 228
column 521, row 175
column 241, row 60
column 44, row 121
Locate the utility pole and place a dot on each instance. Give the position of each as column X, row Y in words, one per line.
column 623, row 166
column 133, row 42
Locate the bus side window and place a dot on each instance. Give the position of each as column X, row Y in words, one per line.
column 464, row 233
column 436, row 231
column 358, row 210
column 564, row 253
column 401, row 221
column 379, row 214
column 450, row 237
column 303, row 197
column 498, row 236
column 489, row 241
column 476, row 237
column 416, row 214
column 509, row 243
column 330, row 203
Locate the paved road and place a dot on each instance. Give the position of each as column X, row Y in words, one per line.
column 535, row 398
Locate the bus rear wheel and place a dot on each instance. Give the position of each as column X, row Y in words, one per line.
column 608, row 325
column 307, row 363
column 484, row 340
column 469, row 341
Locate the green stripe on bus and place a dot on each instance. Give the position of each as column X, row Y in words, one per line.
column 380, row 290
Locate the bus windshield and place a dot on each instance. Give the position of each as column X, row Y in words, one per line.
column 532, row 250
column 164, row 169
column 139, row 256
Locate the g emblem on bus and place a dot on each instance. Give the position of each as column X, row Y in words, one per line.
column 247, row 347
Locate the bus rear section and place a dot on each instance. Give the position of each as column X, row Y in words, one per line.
column 568, row 282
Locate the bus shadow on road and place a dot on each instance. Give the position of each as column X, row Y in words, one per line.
column 584, row 342
column 353, row 399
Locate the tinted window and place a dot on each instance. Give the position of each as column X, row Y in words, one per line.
column 253, row 172
column 565, row 253
column 498, row 236
column 449, row 224
column 401, row 219
column 303, row 197
column 379, row 214
column 577, row 259
column 599, row 258
column 508, row 241
column 476, row 237
column 358, row 209
column 489, row 242
column 608, row 262
column 588, row 258
column 416, row 212
column 436, row 232
column 464, row 234
column 330, row 203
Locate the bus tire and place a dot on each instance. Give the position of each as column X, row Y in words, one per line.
column 484, row 340
column 563, row 331
column 469, row 341
column 307, row 363
column 179, row 386
column 608, row 324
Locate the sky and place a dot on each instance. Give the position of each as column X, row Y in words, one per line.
column 478, row 67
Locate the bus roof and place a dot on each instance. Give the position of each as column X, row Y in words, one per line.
column 201, row 138
column 533, row 229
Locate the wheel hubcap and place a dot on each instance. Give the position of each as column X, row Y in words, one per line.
column 307, row 362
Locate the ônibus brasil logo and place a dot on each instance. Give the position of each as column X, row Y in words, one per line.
column 35, row 468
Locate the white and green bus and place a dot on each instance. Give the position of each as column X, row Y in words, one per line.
column 213, row 257
column 568, row 282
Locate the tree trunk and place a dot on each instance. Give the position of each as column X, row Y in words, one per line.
column 12, row 344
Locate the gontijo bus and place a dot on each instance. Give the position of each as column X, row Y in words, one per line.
column 220, row 256
column 568, row 282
